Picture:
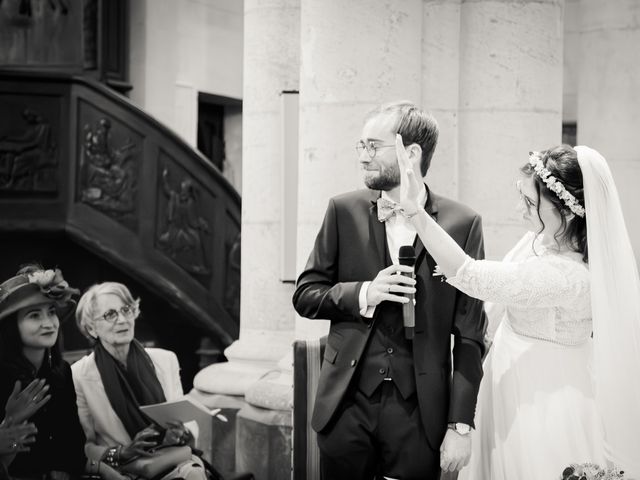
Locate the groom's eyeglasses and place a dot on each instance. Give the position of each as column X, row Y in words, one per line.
column 370, row 147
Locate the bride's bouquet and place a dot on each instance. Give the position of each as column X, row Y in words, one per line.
column 590, row 471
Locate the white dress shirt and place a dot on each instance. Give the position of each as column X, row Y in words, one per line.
column 399, row 231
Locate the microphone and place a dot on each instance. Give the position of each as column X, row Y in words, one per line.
column 407, row 256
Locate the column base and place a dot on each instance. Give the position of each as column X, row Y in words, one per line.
column 274, row 391
column 254, row 389
column 218, row 445
column 228, row 378
column 264, row 443
column 250, row 358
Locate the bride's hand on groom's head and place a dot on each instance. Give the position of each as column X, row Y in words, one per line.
column 410, row 187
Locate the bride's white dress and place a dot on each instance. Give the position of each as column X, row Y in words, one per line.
column 536, row 411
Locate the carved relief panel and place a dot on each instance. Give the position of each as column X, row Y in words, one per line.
column 184, row 227
column 29, row 153
column 110, row 157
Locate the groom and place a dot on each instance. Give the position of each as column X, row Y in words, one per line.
column 388, row 405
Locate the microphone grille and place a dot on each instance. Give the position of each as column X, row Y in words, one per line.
column 407, row 251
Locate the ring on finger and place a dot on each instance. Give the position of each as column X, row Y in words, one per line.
column 14, row 445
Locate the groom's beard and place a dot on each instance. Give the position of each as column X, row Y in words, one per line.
column 387, row 178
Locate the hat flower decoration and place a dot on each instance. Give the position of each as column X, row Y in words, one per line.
column 33, row 285
column 51, row 284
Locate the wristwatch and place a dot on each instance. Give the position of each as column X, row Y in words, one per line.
column 461, row 428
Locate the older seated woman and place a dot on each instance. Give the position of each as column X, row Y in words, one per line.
column 118, row 377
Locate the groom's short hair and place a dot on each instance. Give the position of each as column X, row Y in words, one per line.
column 415, row 126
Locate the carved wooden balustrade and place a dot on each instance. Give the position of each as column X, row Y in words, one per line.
column 78, row 158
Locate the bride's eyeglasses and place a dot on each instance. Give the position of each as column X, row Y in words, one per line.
column 528, row 203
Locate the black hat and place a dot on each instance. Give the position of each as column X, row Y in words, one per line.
column 35, row 287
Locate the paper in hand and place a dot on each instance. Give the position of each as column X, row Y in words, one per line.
column 183, row 410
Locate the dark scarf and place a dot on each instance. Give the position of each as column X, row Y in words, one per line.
column 129, row 388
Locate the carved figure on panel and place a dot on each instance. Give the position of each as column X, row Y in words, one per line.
column 182, row 239
column 109, row 173
column 28, row 160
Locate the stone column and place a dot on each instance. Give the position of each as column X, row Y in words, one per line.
column 355, row 55
column 608, row 95
column 571, row 60
column 271, row 65
column 510, row 102
column 441, row 88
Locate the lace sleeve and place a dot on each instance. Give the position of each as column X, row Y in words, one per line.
column 545, row 281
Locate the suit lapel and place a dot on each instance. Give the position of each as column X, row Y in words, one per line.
column 377, row 232
column 431, row 206
column 428, row 286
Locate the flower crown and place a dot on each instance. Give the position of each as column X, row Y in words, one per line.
column 553, row 184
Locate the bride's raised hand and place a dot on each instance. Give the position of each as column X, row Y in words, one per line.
column 410, row 186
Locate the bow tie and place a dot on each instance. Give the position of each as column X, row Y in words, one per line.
column 387, row 209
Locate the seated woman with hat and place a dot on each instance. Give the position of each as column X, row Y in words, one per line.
column 51, row 445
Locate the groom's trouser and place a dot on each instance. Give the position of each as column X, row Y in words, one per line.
column 377, row 435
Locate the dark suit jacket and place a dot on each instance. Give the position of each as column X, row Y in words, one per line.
column 348, row 251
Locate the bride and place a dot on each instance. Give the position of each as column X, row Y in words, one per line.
column 562, row 379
